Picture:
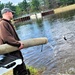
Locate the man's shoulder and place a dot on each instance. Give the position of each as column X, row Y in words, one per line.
column 0, row 19
column 3, row 22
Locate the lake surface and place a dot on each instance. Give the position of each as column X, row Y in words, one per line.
column 57, row 56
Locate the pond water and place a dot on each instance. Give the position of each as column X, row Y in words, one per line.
column 57, row 56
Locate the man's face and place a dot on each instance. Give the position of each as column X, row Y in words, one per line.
column 11, row 15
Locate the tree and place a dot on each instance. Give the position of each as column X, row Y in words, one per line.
column 35, row 5
column 10, row 5
column 48, row 4
column 1, row 7
column 18, row 11
column 67, row 2
column 24, row 6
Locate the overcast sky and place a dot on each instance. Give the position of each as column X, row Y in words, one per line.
column 13, row 1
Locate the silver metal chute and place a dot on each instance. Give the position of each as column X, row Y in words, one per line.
column 10, row 66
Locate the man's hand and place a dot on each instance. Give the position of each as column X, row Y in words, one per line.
column 21, row 46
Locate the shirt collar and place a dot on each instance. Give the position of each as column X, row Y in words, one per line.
column 6, row 20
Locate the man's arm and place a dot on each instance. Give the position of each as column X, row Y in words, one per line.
column 7, row 37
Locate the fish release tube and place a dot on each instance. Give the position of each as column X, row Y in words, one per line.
column 5, row 48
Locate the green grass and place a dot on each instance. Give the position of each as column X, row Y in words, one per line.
column 33, row 71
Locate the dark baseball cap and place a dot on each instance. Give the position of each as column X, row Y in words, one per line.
column 4, row 10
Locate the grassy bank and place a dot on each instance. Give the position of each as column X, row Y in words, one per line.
column 33, row 71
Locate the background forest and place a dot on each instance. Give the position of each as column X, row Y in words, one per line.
column 24, row 7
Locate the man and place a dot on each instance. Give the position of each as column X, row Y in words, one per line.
column 8, row 35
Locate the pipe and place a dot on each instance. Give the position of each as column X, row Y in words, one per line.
column 64, row 9
column 5, row 48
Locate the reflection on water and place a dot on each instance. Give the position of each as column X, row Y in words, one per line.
column 57, row 53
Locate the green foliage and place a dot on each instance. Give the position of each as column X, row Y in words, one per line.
column 35, row 5
column 9, row 5
column 1, row 6
column 67, row 2
column 33, row 71
column 48, row 3
column 24, row 6
column 18, row 11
